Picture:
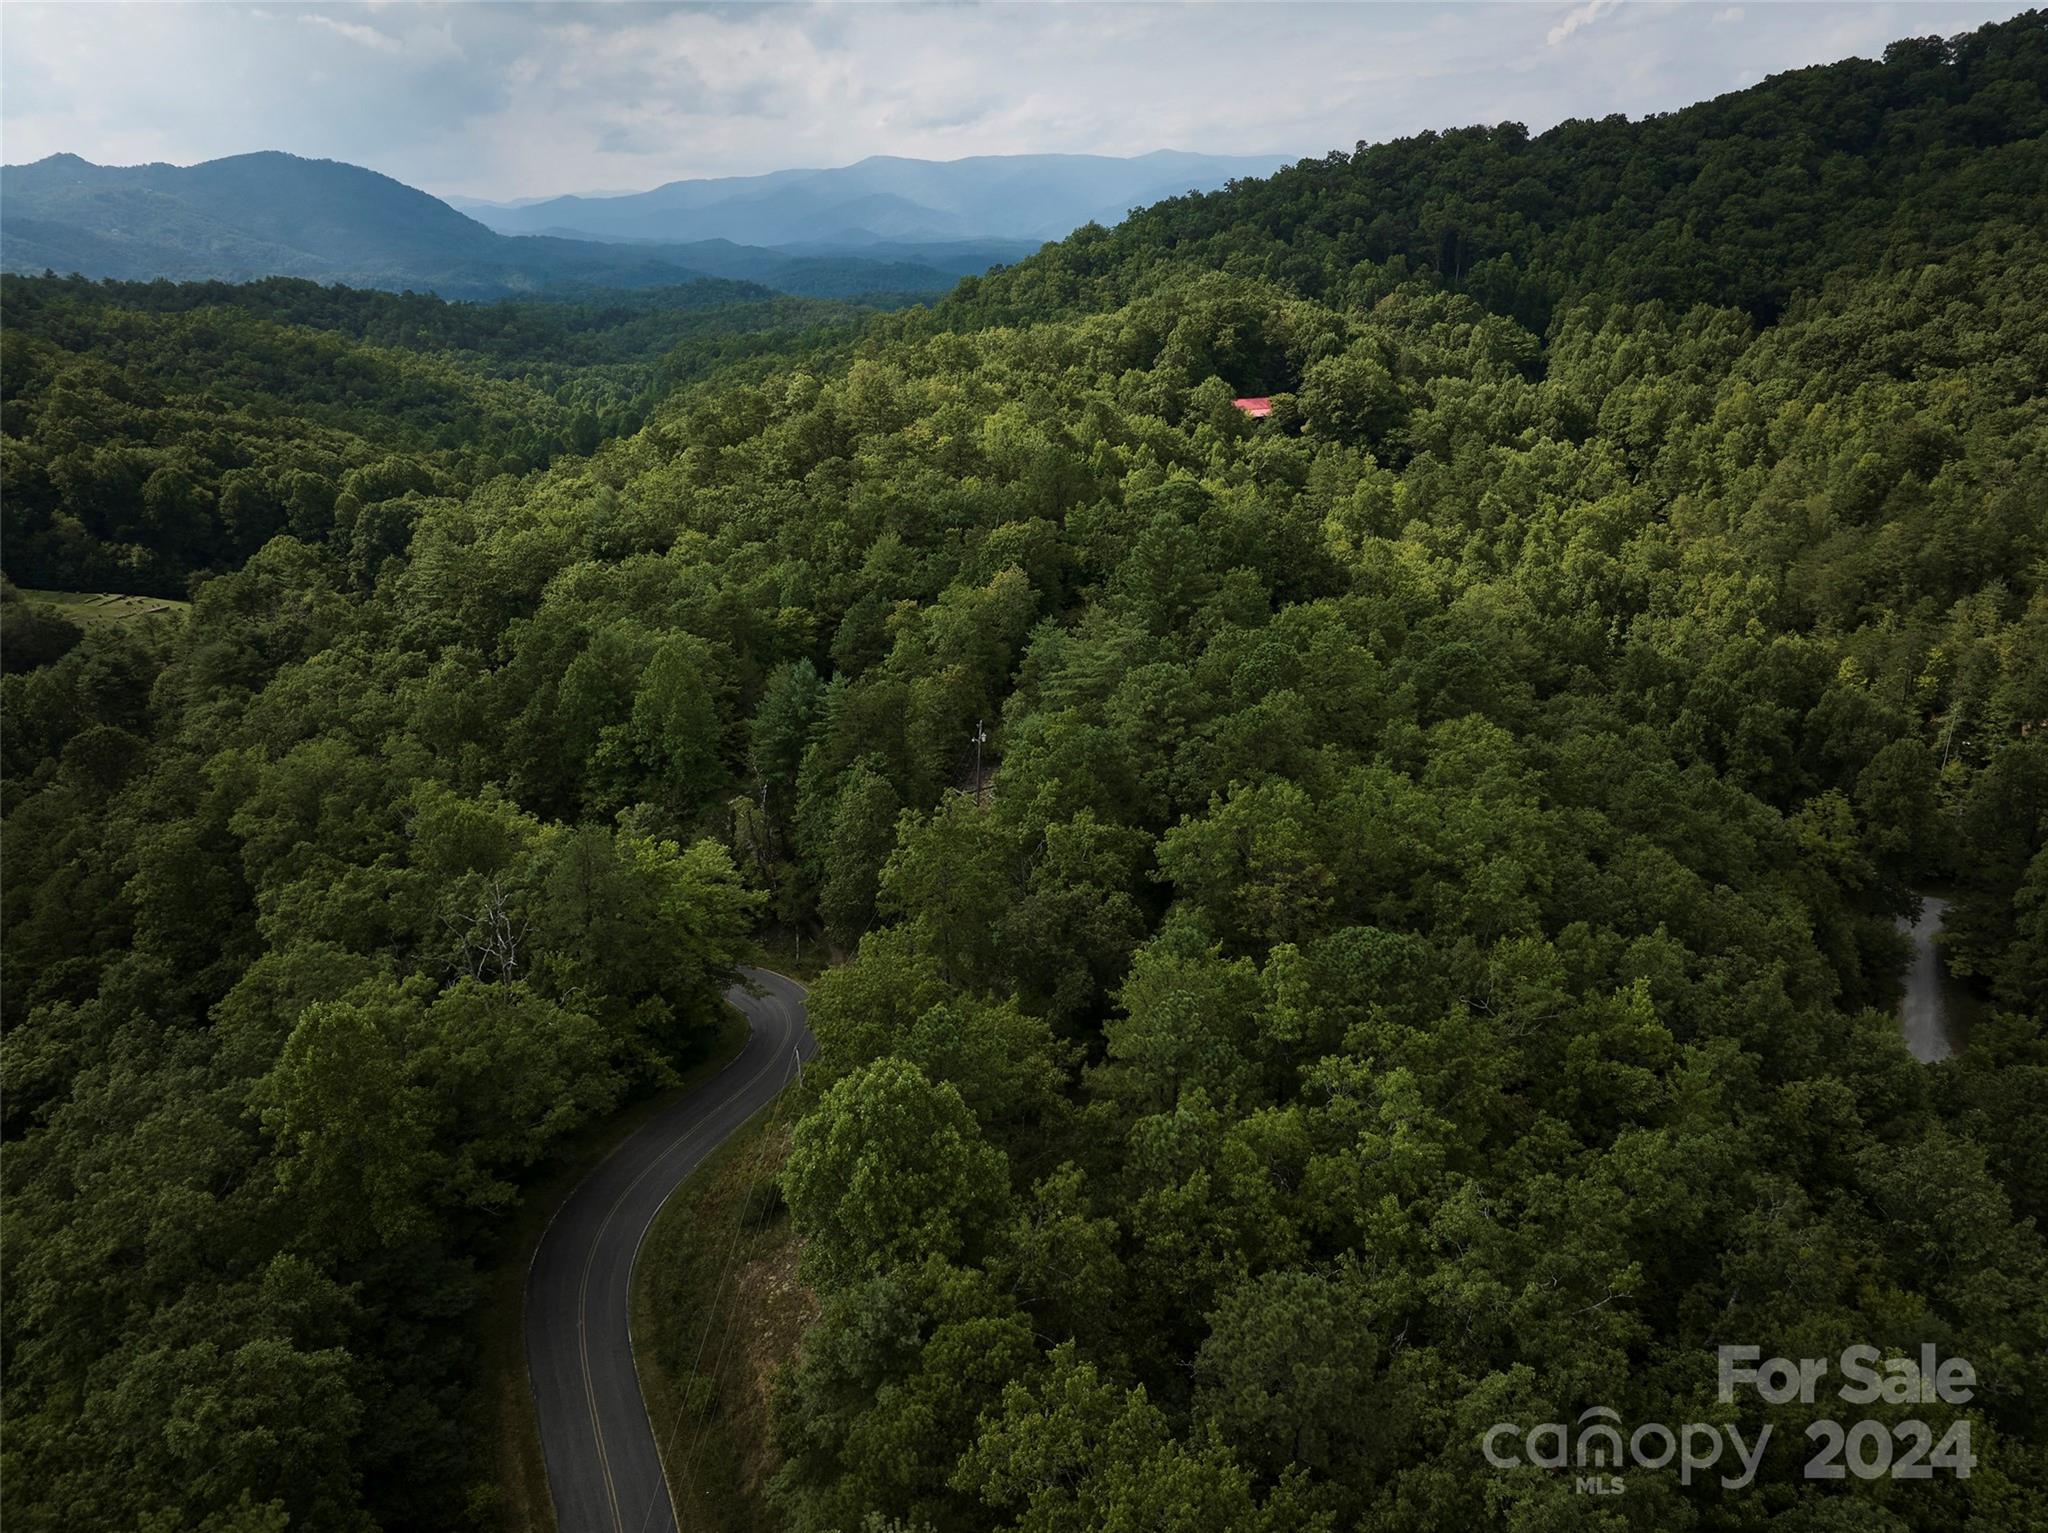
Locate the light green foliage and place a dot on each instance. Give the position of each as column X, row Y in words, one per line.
column 888, row 1170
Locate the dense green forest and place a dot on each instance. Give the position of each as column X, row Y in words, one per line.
column 1426, row 958
column 158, row 430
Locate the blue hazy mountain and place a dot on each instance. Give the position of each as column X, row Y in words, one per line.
column 884, row 199
column 883, row 226
column 269, row 214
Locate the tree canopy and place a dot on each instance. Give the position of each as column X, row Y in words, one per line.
column 1423, row 955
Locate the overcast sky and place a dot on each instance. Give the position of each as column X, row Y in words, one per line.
column 497, row 100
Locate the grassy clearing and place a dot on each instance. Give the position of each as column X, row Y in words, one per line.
column 506, row 1397
column 717, row 1309
column 107, row 606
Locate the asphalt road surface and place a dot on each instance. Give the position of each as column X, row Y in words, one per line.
column 1920, row 1011
column 603, row 1469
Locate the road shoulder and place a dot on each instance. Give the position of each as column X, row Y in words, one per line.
column 717, row 1309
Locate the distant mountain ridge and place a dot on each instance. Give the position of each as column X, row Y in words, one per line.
column 883, row 226
column 273, row 214
column 1028, row 197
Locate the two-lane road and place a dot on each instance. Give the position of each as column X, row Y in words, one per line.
column 603, row 1468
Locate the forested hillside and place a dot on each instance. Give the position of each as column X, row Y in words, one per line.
column 158, row 430
column 1746, row 201
column 1425, row 960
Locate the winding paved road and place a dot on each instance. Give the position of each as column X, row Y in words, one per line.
column 603, row 1469
column 1922, row 1009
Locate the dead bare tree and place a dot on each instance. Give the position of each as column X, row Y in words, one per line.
column 493, row 935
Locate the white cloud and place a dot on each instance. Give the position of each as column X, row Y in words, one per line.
column 507, row 101
column 1727, row 16
column 1584, row 15
column 354, row 31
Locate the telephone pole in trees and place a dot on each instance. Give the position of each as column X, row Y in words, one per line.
column 980, row 736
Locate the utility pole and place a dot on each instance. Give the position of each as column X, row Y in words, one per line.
column 980, row 735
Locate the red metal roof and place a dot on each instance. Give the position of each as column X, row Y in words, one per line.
column 1257, row 405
